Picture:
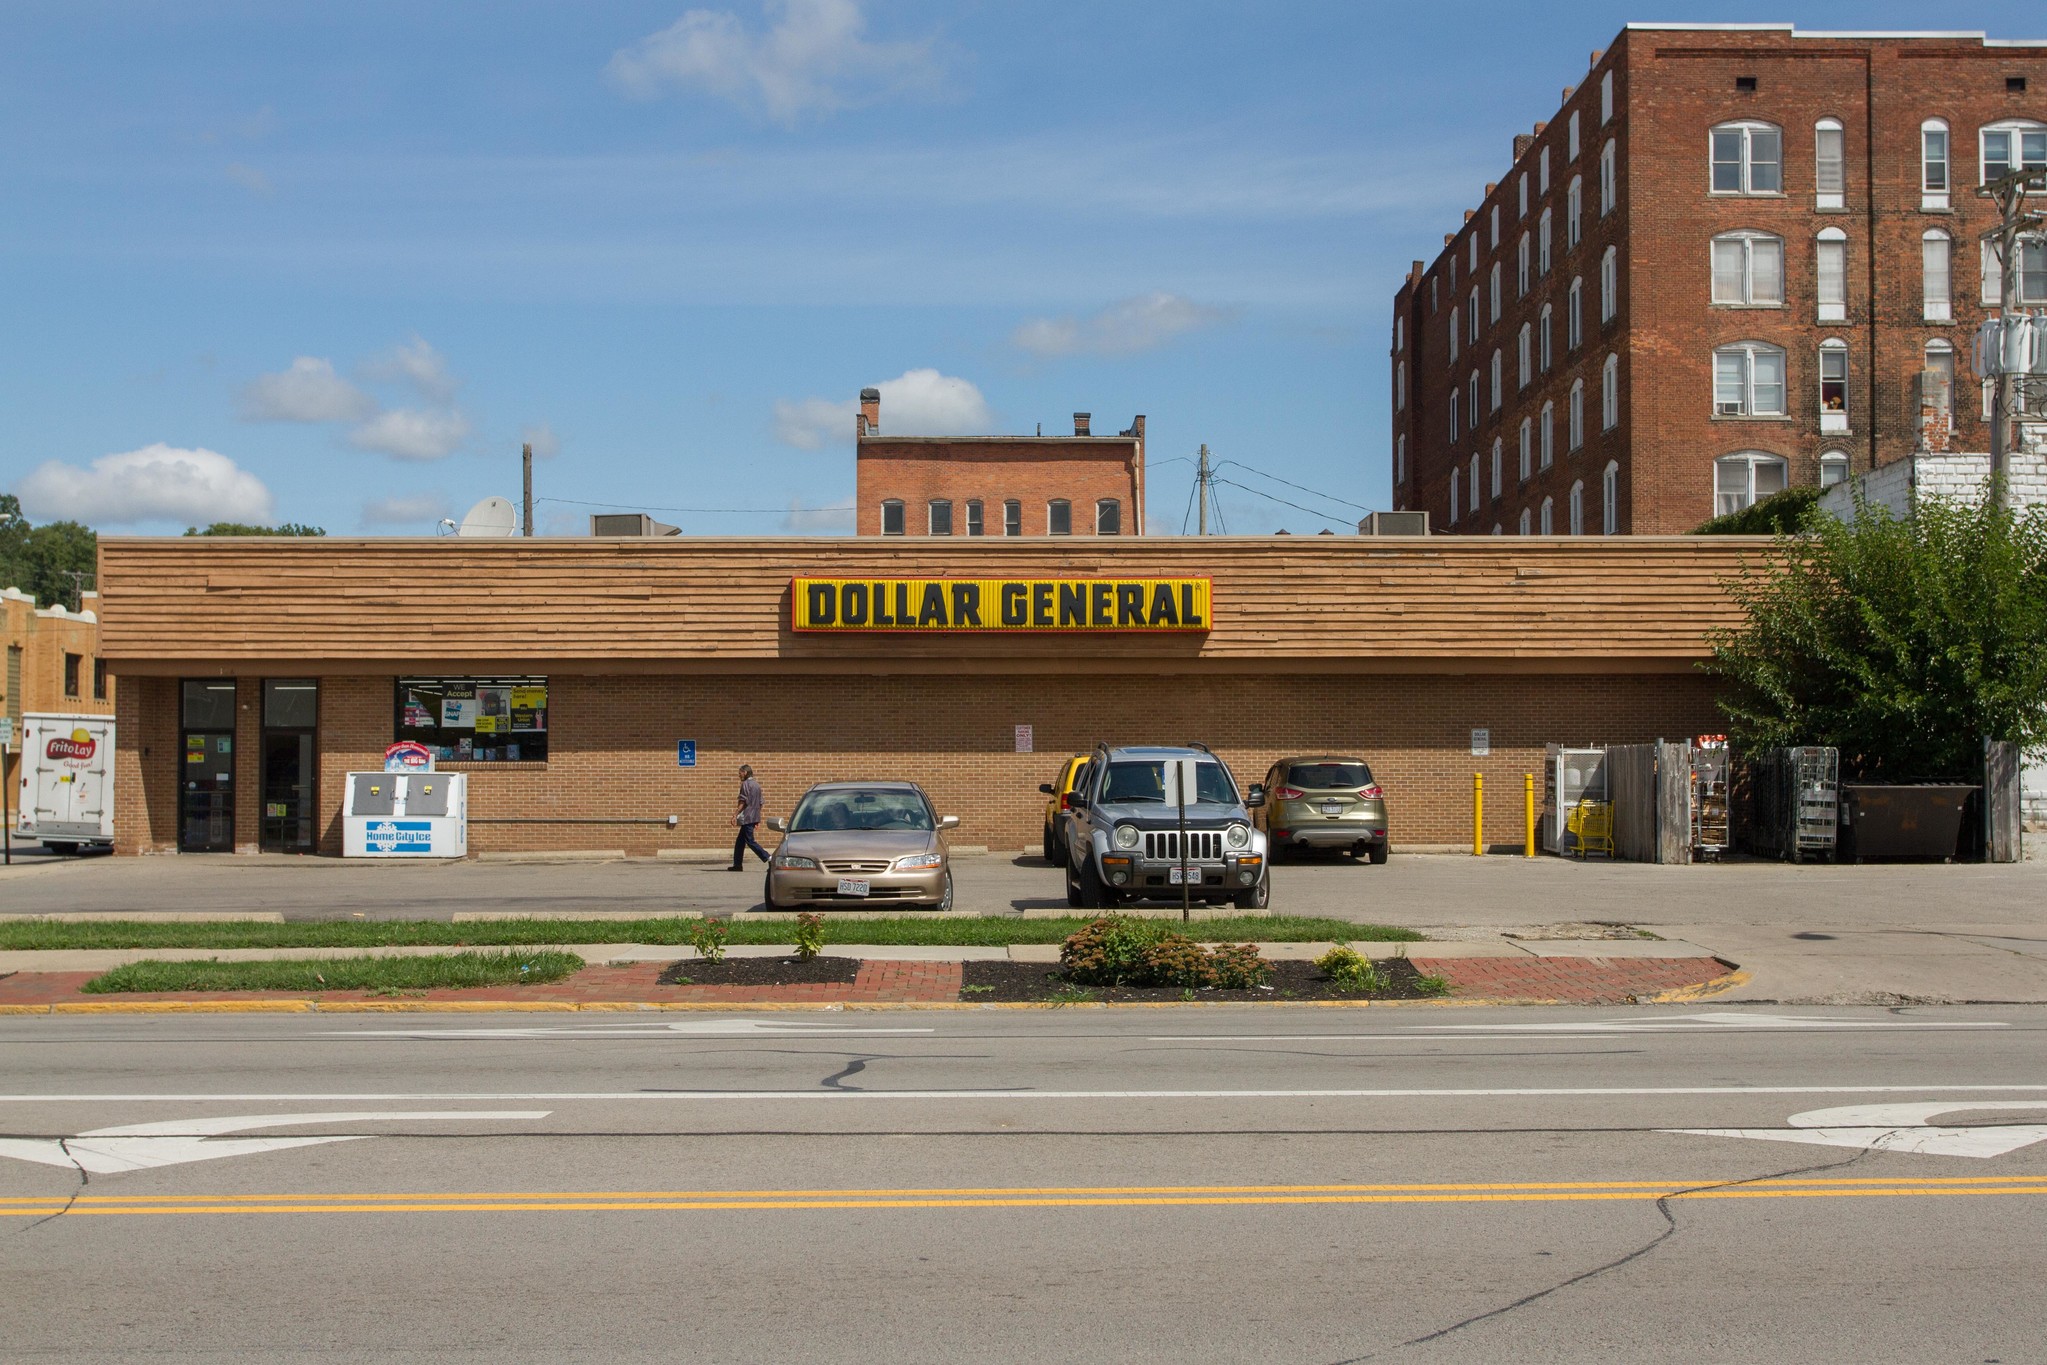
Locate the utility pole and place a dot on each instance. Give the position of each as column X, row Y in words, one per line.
column 1202, row 475
column 526, row 463
column 2009, row 194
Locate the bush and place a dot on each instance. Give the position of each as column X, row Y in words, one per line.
column 1349, row 970
column 1780, row 514
column 1118, row 950
column 707, row 936
column 809, row 935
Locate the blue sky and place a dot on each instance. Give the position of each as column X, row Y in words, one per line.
column 332, row 263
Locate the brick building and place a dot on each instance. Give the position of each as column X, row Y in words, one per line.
column 304, row 659
column 1737, row 258
column 52, row 662
column 1080, row 485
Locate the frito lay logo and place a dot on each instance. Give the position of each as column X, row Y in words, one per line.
column 79, row 747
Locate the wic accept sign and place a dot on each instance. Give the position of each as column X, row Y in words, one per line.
column 1000, row 604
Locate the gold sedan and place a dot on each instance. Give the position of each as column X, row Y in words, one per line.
column 857, row 843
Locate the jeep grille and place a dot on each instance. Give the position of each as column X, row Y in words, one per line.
column 1202, row 845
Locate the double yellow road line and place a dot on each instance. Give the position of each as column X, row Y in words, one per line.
column 1132, row 1196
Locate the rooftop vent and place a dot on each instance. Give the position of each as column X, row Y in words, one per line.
column 629, row 524
column 1394, row 524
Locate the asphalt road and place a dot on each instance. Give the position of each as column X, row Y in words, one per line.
column 1191, row 1184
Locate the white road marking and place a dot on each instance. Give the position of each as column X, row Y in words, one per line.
column 844, row 1096
column 1662, row 1023
column 712, row 1028
column 143, row 1146
column 1896, row 1128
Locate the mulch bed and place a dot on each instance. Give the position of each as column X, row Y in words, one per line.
column 1025, row 981
column 763, row 971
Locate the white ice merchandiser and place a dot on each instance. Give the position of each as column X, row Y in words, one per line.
column 406, row 815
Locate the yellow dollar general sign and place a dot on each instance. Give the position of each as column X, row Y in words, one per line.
column 998, row 604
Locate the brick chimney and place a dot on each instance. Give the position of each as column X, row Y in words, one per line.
column 869, row 423
column 1080, row 424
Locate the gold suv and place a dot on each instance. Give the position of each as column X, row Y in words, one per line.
column 1324, row 801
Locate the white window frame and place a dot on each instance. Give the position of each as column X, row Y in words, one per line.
column 1833, row 462
column 2026, row 149
column 1499, row 380
column 1606, row 98
column 1610, row 284
column 1496, row 292
column 1455, row 487
column 1829, row 129
column 1067, row 503
column 931, row 506
column 1527, row 465
column 1937, row 275
column 2032, row 290
column 1400, row 386
column 1525, row 354
column 1545, row 357
column 1610, row 393
column 1936, row 172
column 1524, row 520
column 1574, row 421
column 1499, row 467
column 1542, row 170
column 1523, row 196
column 1545, row 242
column 1609, row 179
column 1749, row 461
column 1549, row 516
column 1746, row 163
column 1745, row 407
column 1400, row 459
column 1456, row 322
column 1831, row 279
column 1472, row 411
column 1574, row 310
column 1113, row 506
column 1474, row 251
column 1577, row 507
column 1453, row 412
column 1833, row 357
column 1574, row 213
column 1472, row 323
column 1571, row 137
column 1524, row 267
column 1546, row 446
column 1473, row 492
column 1750, row 244
column 1939, row 357
column 1610, row 499
column 1012, row 517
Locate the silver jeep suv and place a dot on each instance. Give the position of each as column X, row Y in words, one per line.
column 1123, row 840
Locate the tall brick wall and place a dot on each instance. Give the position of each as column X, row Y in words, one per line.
column 1033, row 470
column 612, row 745
column 1672, row 86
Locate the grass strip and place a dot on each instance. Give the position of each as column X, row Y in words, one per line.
column 994, row 931
column 438, row 972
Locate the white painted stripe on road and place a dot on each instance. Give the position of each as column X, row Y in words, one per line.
column 727, row 1096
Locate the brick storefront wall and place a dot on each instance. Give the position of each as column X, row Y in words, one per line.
column 1080, row 470
column 612, row 745
column 1671, row 87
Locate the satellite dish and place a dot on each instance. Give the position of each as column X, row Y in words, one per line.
column 491, row 517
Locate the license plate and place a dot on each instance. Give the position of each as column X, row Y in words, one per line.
column 1192, row 878
column 1332, row 807
column 852, row 886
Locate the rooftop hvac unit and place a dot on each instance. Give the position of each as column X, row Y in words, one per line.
column 1394, row 524
column 629, row 524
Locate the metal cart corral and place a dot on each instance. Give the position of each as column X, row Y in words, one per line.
column 1572, row 776
column 1795, row 801
column 1711, row 827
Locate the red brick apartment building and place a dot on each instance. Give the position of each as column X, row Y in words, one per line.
column 1738, row 258
column 1079, row 485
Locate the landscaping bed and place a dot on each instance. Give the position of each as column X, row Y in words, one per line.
column 999, row 982
column 763, row 971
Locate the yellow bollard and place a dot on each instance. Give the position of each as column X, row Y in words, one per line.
column 1478, row 815
column 1528, row 812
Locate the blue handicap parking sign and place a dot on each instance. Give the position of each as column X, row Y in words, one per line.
column 685, row 753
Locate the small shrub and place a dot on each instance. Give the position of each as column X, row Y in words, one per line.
column 1176, row 960
column 1237, row 966
column 809, row 935
column 1432, row 985
column 707, row 936
column 1110, row 951
column 1349, row 970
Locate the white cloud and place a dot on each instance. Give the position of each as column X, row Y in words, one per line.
column 156, row 483
column 812, row 58
column 541, row 436
column 803, row 520
column 412, row 433
column 309, row 391
column 420, row 512
column 914, row 403
column 417, row 363
column 1126, row 327
column 250, row 179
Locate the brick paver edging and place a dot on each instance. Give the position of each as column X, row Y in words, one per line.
column 888, row 985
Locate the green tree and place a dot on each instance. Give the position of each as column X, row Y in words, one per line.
column 1904, row 642
column 54, row 562
column 243, row 528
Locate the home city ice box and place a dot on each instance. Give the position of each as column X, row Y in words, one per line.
column 406, row 815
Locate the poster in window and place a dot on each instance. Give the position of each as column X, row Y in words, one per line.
column 486, row 725
column 458, row 713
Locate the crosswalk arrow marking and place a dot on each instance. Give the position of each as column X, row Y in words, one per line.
column 1896, row 1128
column 143, row 1146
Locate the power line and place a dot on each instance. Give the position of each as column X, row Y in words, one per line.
column 1319, row 516
column 643, row 507
column 1330, row 497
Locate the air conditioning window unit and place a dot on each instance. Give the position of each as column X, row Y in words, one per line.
column 629, row 524
column 1394, row 524
column 1727, row 409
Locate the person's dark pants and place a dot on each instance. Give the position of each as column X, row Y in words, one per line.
column 745, row 841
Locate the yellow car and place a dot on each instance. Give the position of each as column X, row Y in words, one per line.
column 1055, row 810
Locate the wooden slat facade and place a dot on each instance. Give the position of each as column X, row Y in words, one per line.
column 194, row 606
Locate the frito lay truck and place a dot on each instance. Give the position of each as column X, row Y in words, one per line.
column 66, row 797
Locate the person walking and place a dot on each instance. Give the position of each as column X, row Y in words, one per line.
column 747, row 816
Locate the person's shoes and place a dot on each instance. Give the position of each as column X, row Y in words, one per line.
column 737, row 867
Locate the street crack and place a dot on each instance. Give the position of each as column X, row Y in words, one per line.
column 84, row 1179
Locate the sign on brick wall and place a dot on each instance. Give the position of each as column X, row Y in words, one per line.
column 1000, row 604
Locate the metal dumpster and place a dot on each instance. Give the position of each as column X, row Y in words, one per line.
column 1920, row 820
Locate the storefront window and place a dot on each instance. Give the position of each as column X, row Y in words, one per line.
column 475, row 720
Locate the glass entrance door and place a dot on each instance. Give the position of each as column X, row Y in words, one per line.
column 206, row 762
column 290, row 810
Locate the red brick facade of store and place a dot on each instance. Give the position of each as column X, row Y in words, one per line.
column 1082, row 470
column 1671, row 86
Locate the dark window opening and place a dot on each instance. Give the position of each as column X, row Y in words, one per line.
column 974, row 524
column 1108, row 517
column 941, row 516
column 2015, row 85
column 1745, row 84
column 475, row 720
column 99, row 679
column 892, row 517
column 1059, row 517
column 1012, row 518
column 72, row 663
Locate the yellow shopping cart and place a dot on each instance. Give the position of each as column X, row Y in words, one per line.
column 1591, row 828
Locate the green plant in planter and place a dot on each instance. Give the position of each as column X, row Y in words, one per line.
column 1347, row 969
column 707, row 936
column 1237, row 966
column 1111, row 951
column 809, row 935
